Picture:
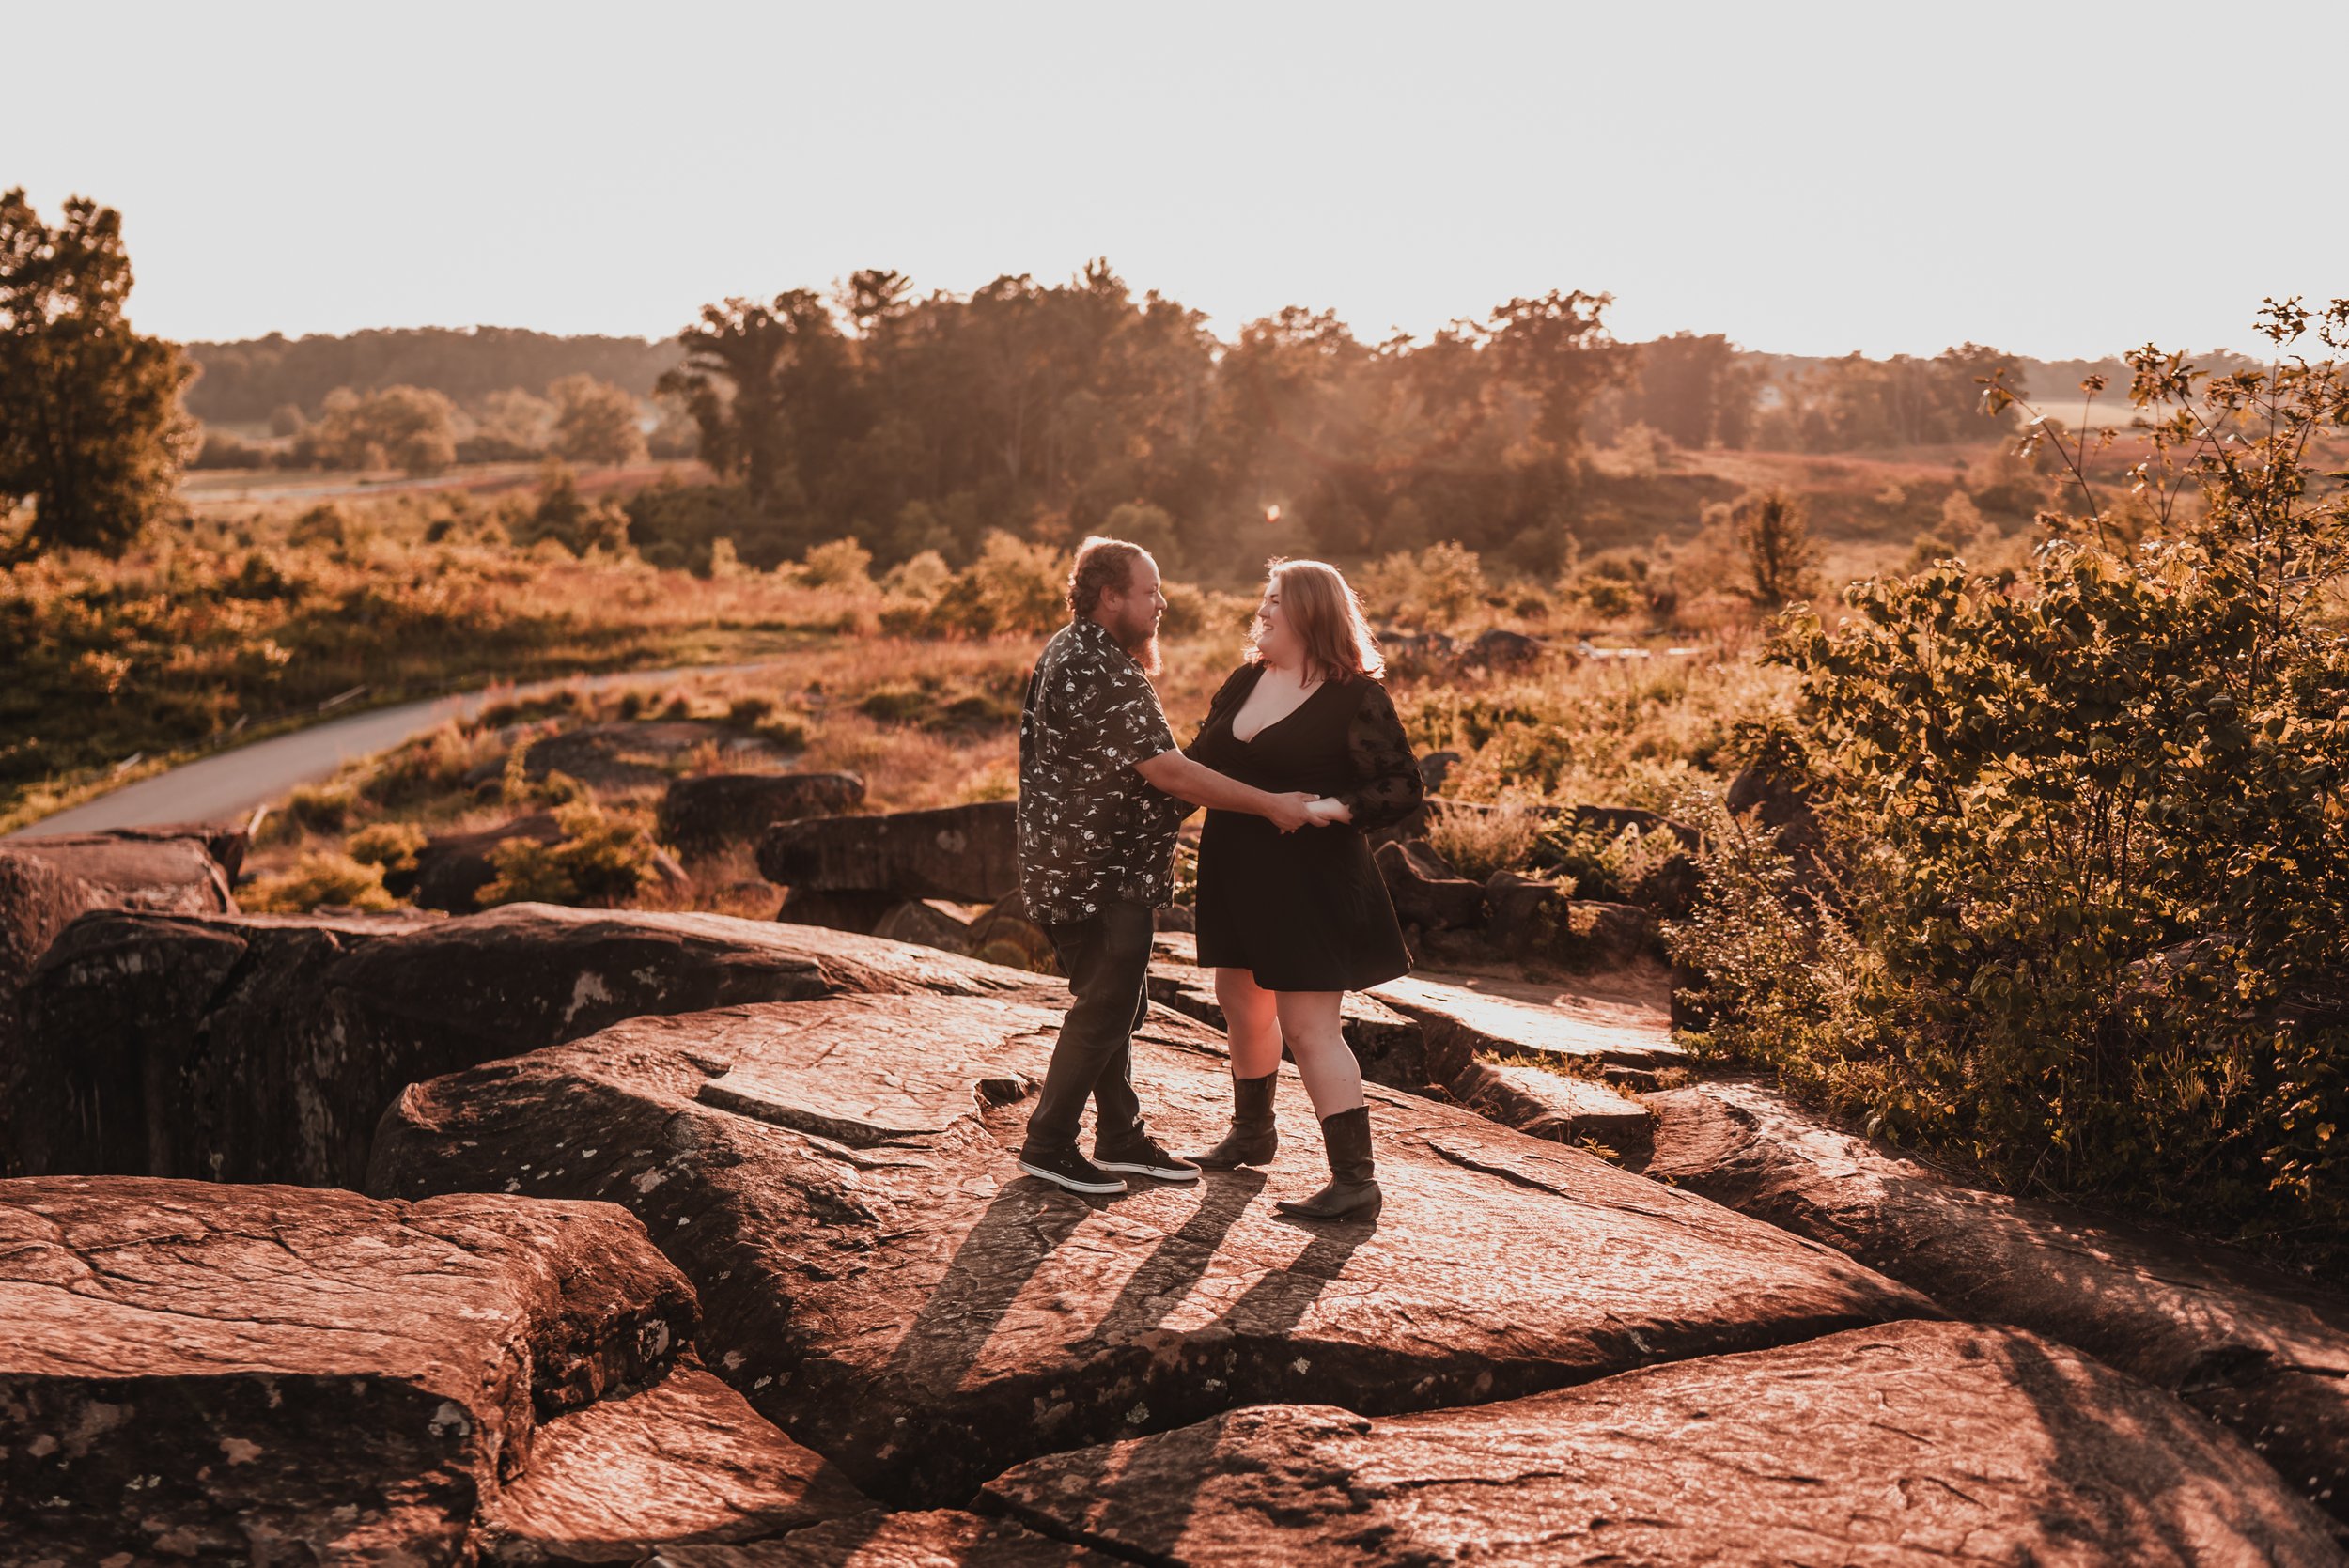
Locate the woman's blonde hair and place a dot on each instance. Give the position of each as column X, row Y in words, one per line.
column 1327, row 619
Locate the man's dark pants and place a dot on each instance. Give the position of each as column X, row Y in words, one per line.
column 1107, row 959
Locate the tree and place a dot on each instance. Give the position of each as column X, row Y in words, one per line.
column 594, row 421
column 748, row 372
column 1780, row 556
column 412, row 428
column 91, row 426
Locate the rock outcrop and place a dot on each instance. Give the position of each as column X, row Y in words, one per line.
column 2259, row 1353
column 1914, row 1445
column 837, row 1177
column 700, row 815
column 968, row 854
column 46, row 883
column 1544, row 1103
column 1426, row 891
column 265, row 1047
column 942, row 1538
column 1463, row 1018
column 1541, row 922
column 281, row 1375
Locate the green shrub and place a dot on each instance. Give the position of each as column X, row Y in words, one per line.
column 1480, row 842
column 602, row 860
column 2087, row 843
column 391, row 846
column 319, row 877
column 1603, row 865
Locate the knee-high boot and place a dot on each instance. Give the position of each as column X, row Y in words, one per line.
column 1353, row 1187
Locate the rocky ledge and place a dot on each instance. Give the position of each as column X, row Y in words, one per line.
column 837, row 1178
column 1920, row 1444
column 281, row 1375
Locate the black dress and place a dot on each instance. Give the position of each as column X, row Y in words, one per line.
column 1305, row 911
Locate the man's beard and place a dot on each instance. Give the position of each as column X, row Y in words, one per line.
column 1141, row 644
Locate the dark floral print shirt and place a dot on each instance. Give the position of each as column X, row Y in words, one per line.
column 1092, row 831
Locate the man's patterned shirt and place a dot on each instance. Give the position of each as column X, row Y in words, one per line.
column 1092, row 831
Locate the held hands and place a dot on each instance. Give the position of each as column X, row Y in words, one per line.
column 1299, row 810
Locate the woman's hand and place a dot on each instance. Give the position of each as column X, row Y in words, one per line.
column 1325, row 809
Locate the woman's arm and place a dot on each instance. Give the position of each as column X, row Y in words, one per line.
column 1389, row 787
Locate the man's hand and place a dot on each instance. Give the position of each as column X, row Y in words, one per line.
column 1290, row 812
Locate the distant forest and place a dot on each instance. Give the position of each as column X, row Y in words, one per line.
column 918, row 422
column 246, row 382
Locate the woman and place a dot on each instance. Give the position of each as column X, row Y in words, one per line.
column 1292, row 922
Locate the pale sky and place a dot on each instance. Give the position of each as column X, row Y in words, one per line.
column 2054, row 179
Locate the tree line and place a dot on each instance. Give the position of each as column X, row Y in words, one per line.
column 920, row 422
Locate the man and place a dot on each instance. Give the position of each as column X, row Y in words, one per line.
column 1102, row 791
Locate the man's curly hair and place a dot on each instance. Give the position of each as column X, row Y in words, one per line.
column 1101, row 562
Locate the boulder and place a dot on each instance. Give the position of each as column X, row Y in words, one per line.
column 679, row 1461
column 1543, row 1103
column 1538, row 922
column 46, row 883
column 1426, row 891
column 925, row 923
column 968, row 854
column 942, row 1538
column 2257, row 1351
column 452, row 868
column 1387, row 1045
column 838, row 1179
column 1462, row 1018
column 282, row 1374
column 704, row 814
column 1006, row 934
column 860, row 912
column 1498, row 648
column 1913, row 1445
column 265, row 1047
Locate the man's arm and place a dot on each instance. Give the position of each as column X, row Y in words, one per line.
column 1185, row 780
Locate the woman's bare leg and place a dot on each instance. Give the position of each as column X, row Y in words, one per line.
column 1251, row 1021
column 1309, row 1020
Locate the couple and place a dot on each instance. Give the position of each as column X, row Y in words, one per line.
column 1300, row 752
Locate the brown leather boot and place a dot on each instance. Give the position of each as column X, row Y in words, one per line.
column 1253, row 1136
column 1352, row 1188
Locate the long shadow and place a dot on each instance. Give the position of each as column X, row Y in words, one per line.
column 1181, row 1258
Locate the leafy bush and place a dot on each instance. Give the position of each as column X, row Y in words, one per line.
column 2087, row 843
column 319, row 877
column 1603, row 865
column 1435, row 587
column 602, row 858
column 1480, row 840
column 389, row 845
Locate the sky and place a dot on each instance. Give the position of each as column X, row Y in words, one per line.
column 2054, row 179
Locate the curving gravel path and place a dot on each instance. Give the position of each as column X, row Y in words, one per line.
column 227, row 785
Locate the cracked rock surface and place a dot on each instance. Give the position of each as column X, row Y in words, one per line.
column 2257, row 1351
column 942, row 1538
column 1910, row 1443
column 275, row 1374
column 837, row 1178
column 265, row 1047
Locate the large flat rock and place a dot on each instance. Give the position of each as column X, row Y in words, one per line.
column 274, row 1374
column 940, row 1538
column 2259, row 1352
column 1543, row 1102
column 258, row 1047
column 836, row 1176
column 970, row 854
column 46, row 883
column 1464, row 1016
column 1914, row 1443
column 683, row 1461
